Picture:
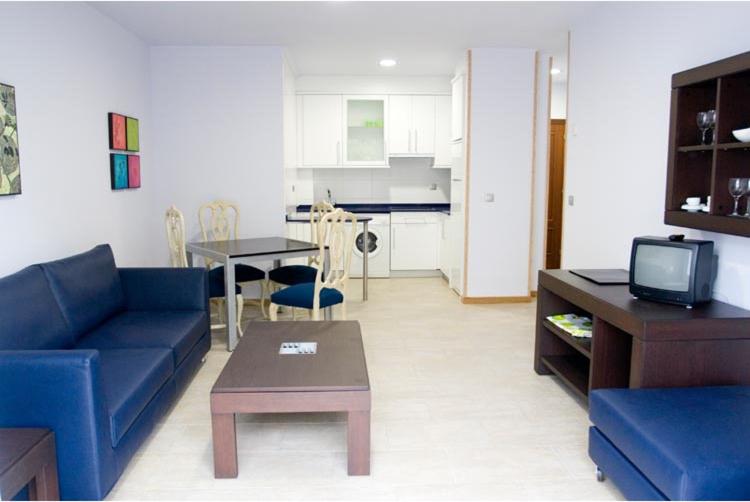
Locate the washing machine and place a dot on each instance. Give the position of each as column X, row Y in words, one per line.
column 379, row 258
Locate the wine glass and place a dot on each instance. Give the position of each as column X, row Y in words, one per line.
column 737, row 188
column 747, row 192
column 703, row 125
column 711, row 117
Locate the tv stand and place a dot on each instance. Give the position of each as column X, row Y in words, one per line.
column 637, row 343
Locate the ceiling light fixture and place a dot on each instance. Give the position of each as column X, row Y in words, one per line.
column 387, row 63
column 554, row 71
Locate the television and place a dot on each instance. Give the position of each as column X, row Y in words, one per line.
column 671, row 269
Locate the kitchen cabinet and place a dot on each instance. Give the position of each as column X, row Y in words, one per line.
column 458, row 100
column 365, row 131
column 415, row 241
column 443, row 156
column 412, row 125
column 321, row 130
column 444, row 250
column 300, row 232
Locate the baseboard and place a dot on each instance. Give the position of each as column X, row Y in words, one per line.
column 533, row 294
column 415, row 273
column 494, row 299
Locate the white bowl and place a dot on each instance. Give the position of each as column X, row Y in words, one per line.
column 742, row 134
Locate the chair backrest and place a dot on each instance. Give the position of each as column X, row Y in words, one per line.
column 336, row 229
column 176, row 237
column 219, row 221
column 317, row 211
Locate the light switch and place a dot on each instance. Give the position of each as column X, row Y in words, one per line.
column 489, row 197
column 571, row 200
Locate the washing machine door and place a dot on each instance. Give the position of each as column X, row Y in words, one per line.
column 374, row 242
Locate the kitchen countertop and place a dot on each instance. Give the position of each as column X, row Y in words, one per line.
column 387, row 208
column 306, row 219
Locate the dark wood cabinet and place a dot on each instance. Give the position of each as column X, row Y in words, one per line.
column 637, row 343
column 697, row 170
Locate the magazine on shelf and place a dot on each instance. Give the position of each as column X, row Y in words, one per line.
column 574, row 325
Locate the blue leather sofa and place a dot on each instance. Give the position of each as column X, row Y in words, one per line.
column 688, row 443
column 98, row 354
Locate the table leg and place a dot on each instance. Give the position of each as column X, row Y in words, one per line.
column 230, row 298
column 189, row 256
column 358, row 442
column 365, row 257
column 225, row 445
column 44, row 485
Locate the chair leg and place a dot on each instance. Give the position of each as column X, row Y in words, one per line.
column 343, row 310
column 273, row 311
column 264, row 293
column 294, row 314
column 240, row 306
column 315, row 314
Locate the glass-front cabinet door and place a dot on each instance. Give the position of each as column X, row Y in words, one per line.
column 364, row 131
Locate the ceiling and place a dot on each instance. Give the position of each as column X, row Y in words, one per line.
column 350, row 37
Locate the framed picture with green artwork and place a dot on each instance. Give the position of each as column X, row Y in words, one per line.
column 10, row 165
column 131, row 132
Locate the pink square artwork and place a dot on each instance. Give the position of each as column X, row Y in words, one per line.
column 134, row 171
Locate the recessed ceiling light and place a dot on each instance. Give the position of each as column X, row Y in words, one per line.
column 554, row 71
column 387, row 63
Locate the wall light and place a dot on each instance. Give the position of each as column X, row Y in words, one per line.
column 554, row 71
column 387, row 63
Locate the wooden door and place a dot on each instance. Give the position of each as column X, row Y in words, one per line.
column 555, row 192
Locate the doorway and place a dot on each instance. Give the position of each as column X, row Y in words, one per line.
column 556, row 177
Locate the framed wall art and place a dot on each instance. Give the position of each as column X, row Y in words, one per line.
column 10, row 164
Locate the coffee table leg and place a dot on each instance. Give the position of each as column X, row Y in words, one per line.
column 225, row 445
column 358, row 442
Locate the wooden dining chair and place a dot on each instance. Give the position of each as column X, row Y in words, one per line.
column 337, row 231
column 175, row 223
column 219, row 221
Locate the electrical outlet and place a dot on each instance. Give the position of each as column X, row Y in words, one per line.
column 433, row 186
column 489, row 197
column 571, row 200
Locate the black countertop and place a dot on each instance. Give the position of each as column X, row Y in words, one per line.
column 387, row 208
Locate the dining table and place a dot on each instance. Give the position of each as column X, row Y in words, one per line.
column 231, row 252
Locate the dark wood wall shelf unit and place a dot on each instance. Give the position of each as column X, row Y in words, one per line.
column 701, row 170
column 637, row 343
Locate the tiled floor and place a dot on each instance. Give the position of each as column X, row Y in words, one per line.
column 458, row 413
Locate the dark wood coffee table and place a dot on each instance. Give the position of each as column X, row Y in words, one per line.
column 257, row 379
column 27, row 457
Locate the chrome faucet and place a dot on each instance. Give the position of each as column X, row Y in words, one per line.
column 330, row 197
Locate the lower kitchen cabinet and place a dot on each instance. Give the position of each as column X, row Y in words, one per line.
column 415, row 241
column 444, row 254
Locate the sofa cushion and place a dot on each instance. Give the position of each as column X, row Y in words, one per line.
column 301, row 295
column 131, row 378
column 31, row 318
column 691, row 443
column 178, row 330
column 87, row 288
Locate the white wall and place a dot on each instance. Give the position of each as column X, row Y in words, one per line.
column 622, row 58
column 373, row 84
column 218, row 130
column 71, row 66
column 558, row 104
column 541, row 168
column 499, row 232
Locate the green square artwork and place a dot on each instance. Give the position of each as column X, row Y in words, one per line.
column 10, row 167
column 131, row 132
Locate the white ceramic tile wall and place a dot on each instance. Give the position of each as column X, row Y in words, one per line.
column 407, row 181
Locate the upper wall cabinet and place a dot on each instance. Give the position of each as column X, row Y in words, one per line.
column 412, row 126
column 321, row 129
column 443, row 157
column 458, row 98
column 365, row 131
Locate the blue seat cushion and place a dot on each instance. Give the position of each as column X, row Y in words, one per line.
column 178, row 330
column 691, row 443
column 290, row 275
column 87, row 287
column 131, row 378
column 301, row 295
column 31, row 318
column 216, row 284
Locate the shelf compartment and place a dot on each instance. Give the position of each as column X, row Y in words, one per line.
column 734, row 106
column 692, row 99
column 573, row 370
column 711, row 222
column 690, row 177
column 582, row 345
column 729, row 164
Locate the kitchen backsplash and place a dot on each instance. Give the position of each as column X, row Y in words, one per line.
column 408, row 180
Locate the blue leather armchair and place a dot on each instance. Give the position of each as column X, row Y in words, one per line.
column 98, row 354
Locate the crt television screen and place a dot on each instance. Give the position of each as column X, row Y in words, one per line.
column 662, row 267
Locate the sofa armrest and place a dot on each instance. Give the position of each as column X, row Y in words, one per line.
column 62, row 390
column 165, row 288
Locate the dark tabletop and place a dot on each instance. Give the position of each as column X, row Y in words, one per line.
column 256, row 365
column 255, row 247
column 373, row 208
column 15, row 443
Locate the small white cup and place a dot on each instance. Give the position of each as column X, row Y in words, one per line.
column 693, row 201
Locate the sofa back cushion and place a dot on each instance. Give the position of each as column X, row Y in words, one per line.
column 87, row 288
column 31, row 318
